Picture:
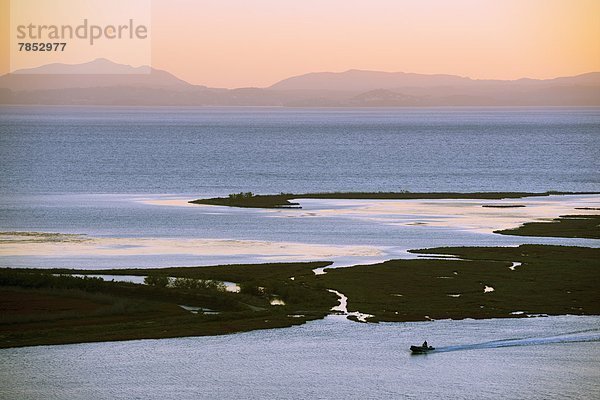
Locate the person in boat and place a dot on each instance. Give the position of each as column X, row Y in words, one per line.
column 425, row 345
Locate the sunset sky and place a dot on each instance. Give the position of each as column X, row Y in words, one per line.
column 235, row 43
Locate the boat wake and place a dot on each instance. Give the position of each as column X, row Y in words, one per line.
column 589, row 335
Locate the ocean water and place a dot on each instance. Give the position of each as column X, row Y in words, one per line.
column 122, row 230
column 120, row 179
column 209, row 151
column 124, row 173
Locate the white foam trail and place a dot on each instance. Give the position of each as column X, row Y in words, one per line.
column 591, row 335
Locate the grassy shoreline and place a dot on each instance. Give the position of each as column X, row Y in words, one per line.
column 549, row 280
column 283, row 200
column 569, row 226
column 152, row 312
column 49, row 306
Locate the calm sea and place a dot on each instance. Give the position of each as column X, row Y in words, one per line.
column 100, row 170
column 533, row 358
column 272, row 150
column 92, row 170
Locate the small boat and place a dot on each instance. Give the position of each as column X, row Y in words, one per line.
column 421, row 349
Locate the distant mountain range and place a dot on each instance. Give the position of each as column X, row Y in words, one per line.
column 103, row 82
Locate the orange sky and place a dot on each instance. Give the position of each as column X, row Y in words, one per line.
column 234, row 43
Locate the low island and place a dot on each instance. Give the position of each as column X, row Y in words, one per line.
column 59, row 306
column 571, row 226
column 54, row 307
column 284, row 200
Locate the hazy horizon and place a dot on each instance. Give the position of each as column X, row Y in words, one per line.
column 255, row 44
column 284, row 199
column 306, row 73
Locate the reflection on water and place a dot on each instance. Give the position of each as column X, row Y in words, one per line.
column 533, row 358
column 342, row 308
column 457, row 214
column 347, row 232
column 54, row 170
column 24, row 246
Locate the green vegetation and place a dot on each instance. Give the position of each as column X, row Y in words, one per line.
column 45, row 307
column 551, row 280
column 90, row 309
column 282, row 200
column 250, row 200
column 184, row 283
column 503, row 205
column 303, row 292
column 156, row 280
column 570, row 226
column 238, row 273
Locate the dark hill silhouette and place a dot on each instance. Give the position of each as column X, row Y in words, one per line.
column 360, row 81
column 97, row 73
column 104, row 82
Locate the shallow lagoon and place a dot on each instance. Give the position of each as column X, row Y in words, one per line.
column 104, row 172
column 216, row 151
column 127, row 231
column 96, row 170
column 534, row 358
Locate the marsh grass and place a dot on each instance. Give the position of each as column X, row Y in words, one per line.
column 282, row 200
column 550, row 280
column 120, row 310
column 86, row 304
column 570, row 226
